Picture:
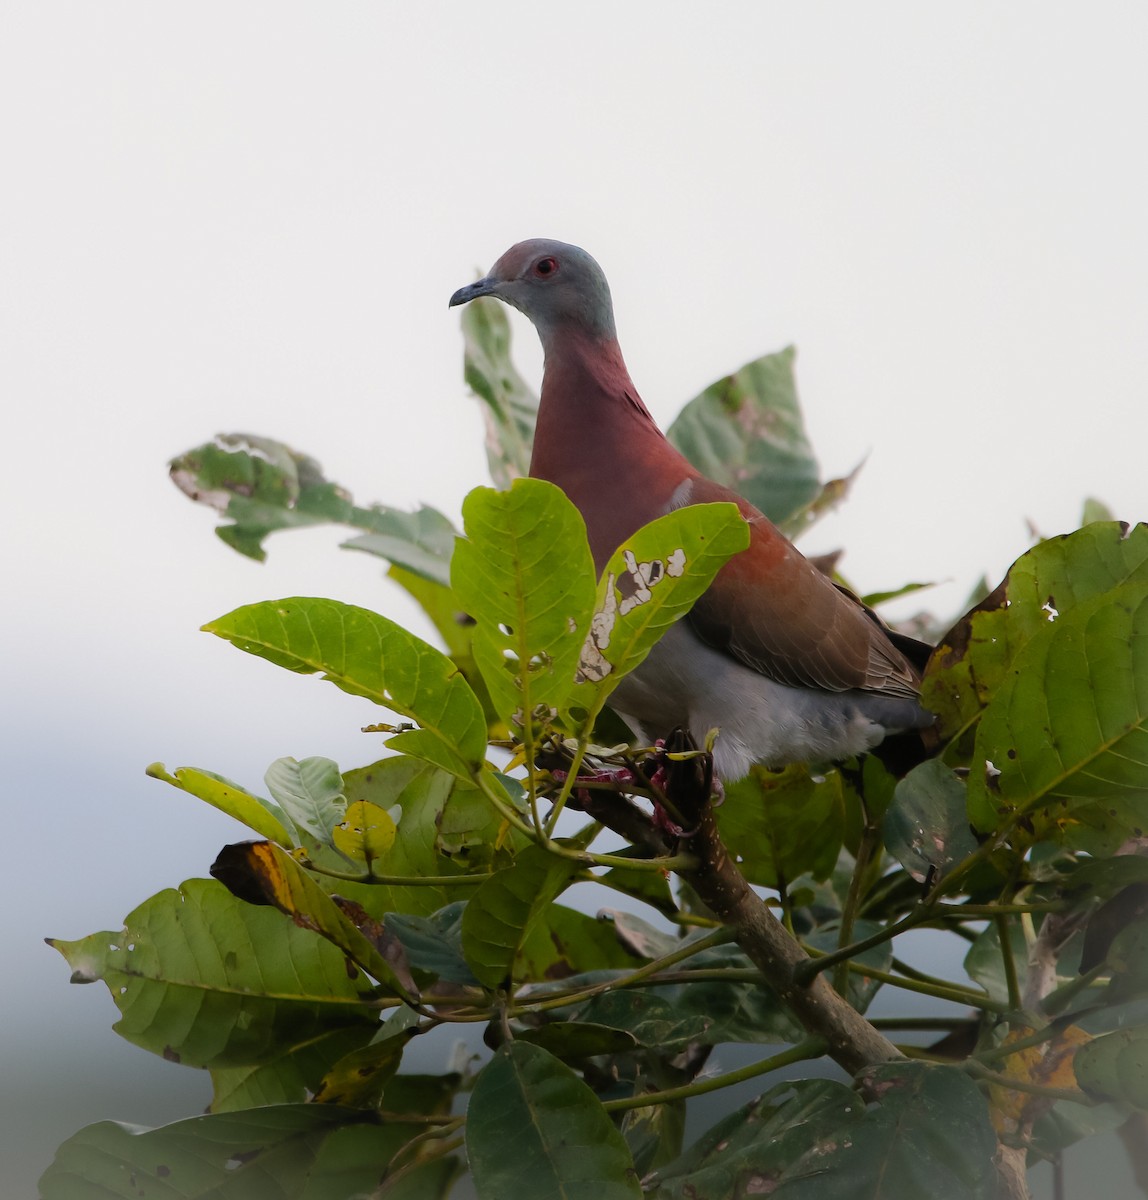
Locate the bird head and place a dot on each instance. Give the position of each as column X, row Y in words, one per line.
column 558, row 286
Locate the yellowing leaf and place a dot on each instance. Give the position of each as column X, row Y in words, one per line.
column 366, row 833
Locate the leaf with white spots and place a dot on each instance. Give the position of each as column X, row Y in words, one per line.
column 650, row 581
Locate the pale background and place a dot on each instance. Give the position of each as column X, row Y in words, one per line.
column 249, row 216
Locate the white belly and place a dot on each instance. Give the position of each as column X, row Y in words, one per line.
column 685, row 682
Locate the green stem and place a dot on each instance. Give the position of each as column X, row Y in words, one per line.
column 1033, row 1039
column 399, row 880
column 924, row 914
column 481, row 779
column 1063, row 995
column 811, row 1047
column 870, row 836
column 977, row 1071
column 925, row 1024
column 719, row 937
column 806, row 972
column 572, row 774
column 958, row 995
column 1004, row 938
column 903, row 968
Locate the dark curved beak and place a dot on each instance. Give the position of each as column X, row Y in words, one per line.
column 482, row 287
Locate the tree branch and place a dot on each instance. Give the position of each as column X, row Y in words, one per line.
column 852, row 1042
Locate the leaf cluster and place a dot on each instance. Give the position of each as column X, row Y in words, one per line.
column 443, row 884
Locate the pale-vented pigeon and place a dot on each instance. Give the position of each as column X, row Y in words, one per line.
column 786, row 665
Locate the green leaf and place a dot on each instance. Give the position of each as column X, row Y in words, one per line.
column 366, row 655
column 1128, row 958
column 421, row 542
column 746, row 432
column 263, row 816
column 650, row 581
column 262, row 485
column 929, row 1135
column 510, row 408
column 1059, row 574
column 1065, row 739
column 360, row 1076
column 365, row 834
column 669, row 1017
column 1095, row 510
column 575, row 1041
column 500, row 914
column 205, row 979
column 984, row 962
column 287, row 1151
column 565, row 1147
column 419, row 794
column 525, row 573
column 434, row 944
column 747, row 1152
column 927, row 825
column 1116, row 1066
column 289, row 1078
column 455, row 627
column 311, row 793
column 262, row 873
column 565, row 942
column 783, row 824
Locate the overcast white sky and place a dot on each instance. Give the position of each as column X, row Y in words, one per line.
column 249, row 216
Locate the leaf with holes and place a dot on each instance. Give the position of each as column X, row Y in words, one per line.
column 973, row 658
column 1064, row 742
column 746, row 431
column 525, row 574
column 367, row 655
column 927, row 825
column 651, row 580
column 205, row 979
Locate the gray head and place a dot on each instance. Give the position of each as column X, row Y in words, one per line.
column 556, row 285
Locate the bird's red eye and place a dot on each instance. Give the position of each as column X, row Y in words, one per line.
column 546, row 266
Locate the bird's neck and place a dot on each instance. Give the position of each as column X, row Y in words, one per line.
column 596, row 440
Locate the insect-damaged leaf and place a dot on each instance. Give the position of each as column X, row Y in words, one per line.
column 286, row 1151
column 746, row 431
column 652, row 579
column 367, row 655
column 927, row 1135
column 525, row 574
column 565, row 1147
column 207, row 980
column 1042, row 586
column 927, row 825
column 1065, row 739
